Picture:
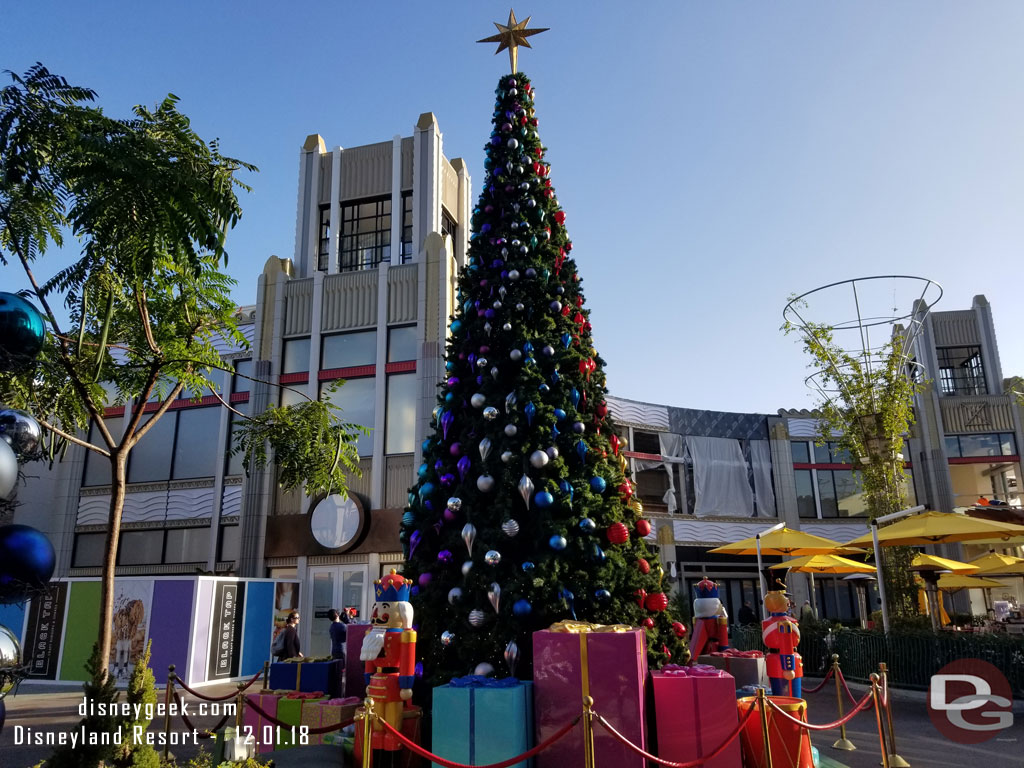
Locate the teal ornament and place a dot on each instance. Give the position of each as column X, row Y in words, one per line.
column 423, row 470
column 449, row 366
column 449, row 397
column 557, row 543
column 22, row 332
column 456, row 326
column 412, row 498
column 426, row 489
column 598, row 484
column 530, row 410
column 544, row 499
column 408, row 518
column 587, row 525
column 436, row 413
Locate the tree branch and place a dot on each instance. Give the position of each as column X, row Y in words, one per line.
column 164, row 406
column 71, row 438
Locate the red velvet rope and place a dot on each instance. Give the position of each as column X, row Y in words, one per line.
column 316, row 731
column 415, row 748
column 203, row 733
column 821, row 685
column 668, row 763
column 217, row 698
column 849, row 693
column 862, row 704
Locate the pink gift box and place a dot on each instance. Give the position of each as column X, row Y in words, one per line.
column 355, row 684
column 695, row 714
column 250, row 719
column 615, row 665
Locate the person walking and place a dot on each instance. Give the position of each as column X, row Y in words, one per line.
column 338, row 632
column 287, row 647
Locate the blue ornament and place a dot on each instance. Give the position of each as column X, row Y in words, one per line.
column 449, row 366
column 22, row 331
column 557, row 542
column 27, row 561
column 597, row 484
column 423, row 471
column 565, row 487
column 527, row 566
column 602, row 595
column 581, row 450
column 554, row 433
column 574, row 395
column 426, row 489
column 543, row 388
column 566, row 340
column 587, row 525
column 559, row 414
column 569, row 597
column 425, row 445
column 544, row 499
column 412, row 498
column 456, row 326
column 415, row 590
column 530, row 410
column 449, row 397
column 555, row 378
column 597, row 554
column 522, row 608
column 527, row 347
column 408, row 518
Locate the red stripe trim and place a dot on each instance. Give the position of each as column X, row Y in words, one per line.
column 114, row 411
column 643, row 456
column 355, row 372
column 239, row 397
column 295, row 378
column 804, row 465
column 185, row 402
column 404, row 366
column 984, row 459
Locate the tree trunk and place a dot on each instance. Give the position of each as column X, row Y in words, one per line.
column 118, row 485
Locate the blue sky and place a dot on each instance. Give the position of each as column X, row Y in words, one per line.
column 712, row 157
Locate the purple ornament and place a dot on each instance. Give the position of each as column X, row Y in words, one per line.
column 489, row 314
column 444, row 556
column 425, row 579
column 531, row 272
column 463, row 466
column 453, row 381
column 414, row 541
column 486, row 227
column 450, row 516
column 495, row 141
column 428, row 504
column 455, row 449
column 438, row 465
column 446, row 422
column 448, row 479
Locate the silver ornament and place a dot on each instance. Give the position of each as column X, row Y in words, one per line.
column 526, row 489
column 454, row 595
column 506, row 327
column 496, row 304
column 485, row 483
column 481, row 362
column 520, row 307
column 494, row 372
column 502, row 291
column 494, row 595
column 507, row 456
column 477, row 617
column 513, row 274
column 447, row 638
column 483, row 669
column 493, row 557
column 539, row 459
column 511, row 430
column 515, row 355
column 477, row 400
column 510, row 528
column 8, row 470
column 548, row 350
column 467, row 567
column 454, row 504
column 487, row 328
column 485, row 448
column 510, row 402
column 469, row 536
column 511, row 656
column 11, row 669
column 490, row 413
column 552, row 453
column 20, row 430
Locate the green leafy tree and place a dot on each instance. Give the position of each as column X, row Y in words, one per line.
column 868, row 415
column 150, row 204
column 142, row 694
column 522, row 515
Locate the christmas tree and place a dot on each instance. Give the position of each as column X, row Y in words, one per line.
column 522, row 515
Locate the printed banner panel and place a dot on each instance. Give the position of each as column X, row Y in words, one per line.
column 43, row 632
column 226, row 632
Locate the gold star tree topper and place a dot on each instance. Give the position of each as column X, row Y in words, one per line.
column 511, row 36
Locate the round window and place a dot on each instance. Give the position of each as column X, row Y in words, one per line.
column 335, row 521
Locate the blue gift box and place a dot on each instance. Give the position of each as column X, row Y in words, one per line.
column 306, row 676
column 479, row 720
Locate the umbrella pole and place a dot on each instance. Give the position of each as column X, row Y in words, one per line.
column 760, row 575
column 881, row 581
column 814, row 598
column 933, row 604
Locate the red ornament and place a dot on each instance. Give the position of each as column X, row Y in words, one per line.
column 648, row 623
column 560, row 217
column 656, row 602
column 643, row 565
column 566, row 310
column 602, row 409
column 679, row 628
column 614, row 440
column 626, row 490
column 617, row 533
column 587, row 326
column 522, row 120
column 643, row 527
column 568, row 246
column 665, row 650
column 641, row 596
column 538, row 152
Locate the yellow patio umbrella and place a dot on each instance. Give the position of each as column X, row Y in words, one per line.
column 813, row 564
column 935, row 564
column 938, row 528
column 954, row 581
column 1003, row 565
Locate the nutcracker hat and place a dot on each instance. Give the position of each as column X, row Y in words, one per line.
column 706, row 588
column 393, row 588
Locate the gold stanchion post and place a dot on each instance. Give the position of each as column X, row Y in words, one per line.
column 895, row 761
column 588, row 732
column 168, row 698
column 266, row 675
column 762, row 704
column 878, row 718
column 842, row 742
column 368, row 715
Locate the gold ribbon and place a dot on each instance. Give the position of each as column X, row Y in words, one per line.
column 298, row 676
column 585, row 627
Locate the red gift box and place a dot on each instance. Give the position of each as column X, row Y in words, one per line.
column 574, row 659
column 695, row 712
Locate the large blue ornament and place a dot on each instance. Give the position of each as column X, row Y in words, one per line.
column 559, row 414
column 456, row 326
column 426, row 490
column 544, row 499
column 597, row 484
column 22, row 332
column 587, row 525
column 27, row 561
column 557, row 542
column 522, row 608
column 574, row 395
column 423, row 471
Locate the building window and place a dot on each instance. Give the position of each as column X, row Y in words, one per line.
column 89, row 549
column 402, row 344
column 187, row 545
column 196, row 449
column 406, row 246
column 295, row 358
column 961, row 371
column 242, row 380
column 97, row 468
column 805, row 494
column 839, row 493
column 400, row 427
column 365, row 234
column 448, row 226
column 801, row 453
column 974, row 446
column 646, row 442
column 323, row 254
column 229, row 545
column 150, row 459
column 140, row 547
column 346, row 350
column 357, row 401
column 234, row 462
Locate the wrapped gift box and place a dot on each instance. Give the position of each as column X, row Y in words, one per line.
column 695, row 712
column 748, row 669
column 480, row 720
column 289, row 712
column 573, row 659
column 260, row 726
column 327, row 712
column 355, row 683
column 307, row 676
column 412, row 716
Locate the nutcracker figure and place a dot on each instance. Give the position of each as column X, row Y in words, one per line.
column 781, row 635
column 389, row 651
column 710, row 621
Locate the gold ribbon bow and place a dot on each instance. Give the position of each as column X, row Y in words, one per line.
column 586, row 627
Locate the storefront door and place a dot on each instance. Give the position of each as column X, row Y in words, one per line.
column 341, row 587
